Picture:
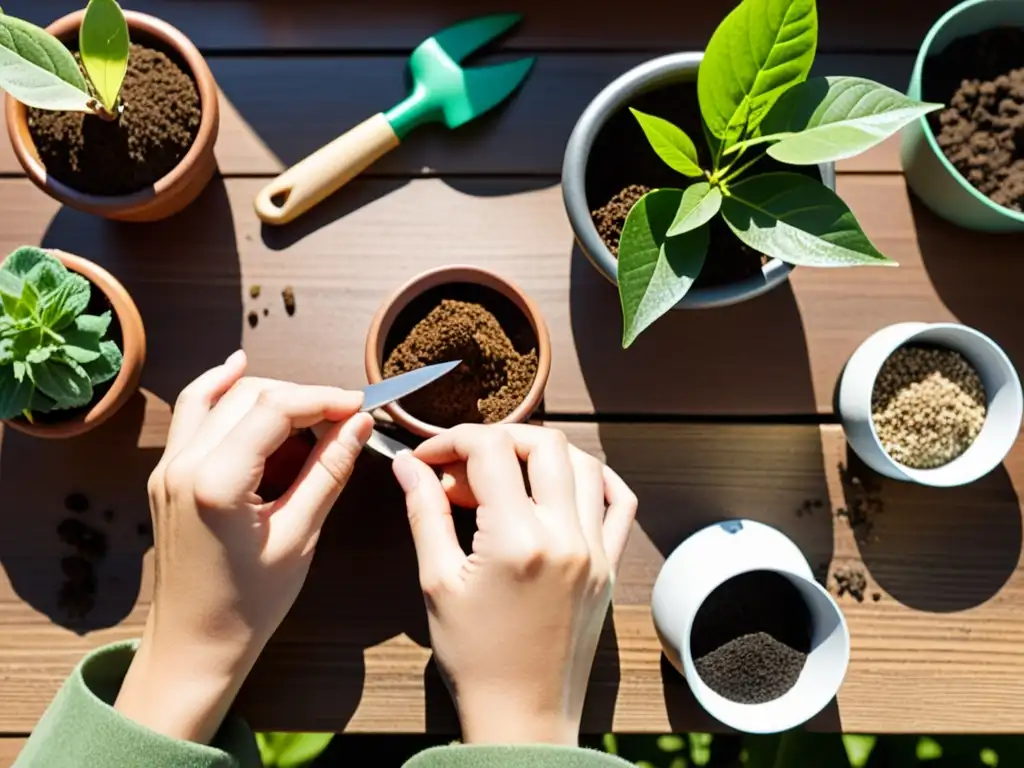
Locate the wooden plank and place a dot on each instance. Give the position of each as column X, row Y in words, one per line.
column 236, row 25
column 941, row 650
column 780, row 354
column 327, row 95
column 10, row 748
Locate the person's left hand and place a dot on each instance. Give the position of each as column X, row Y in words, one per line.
column 229, row 564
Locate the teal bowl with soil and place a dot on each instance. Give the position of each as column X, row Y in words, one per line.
column 966, row 162
column 609, row 165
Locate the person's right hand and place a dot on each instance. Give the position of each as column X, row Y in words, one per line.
column 515, row 624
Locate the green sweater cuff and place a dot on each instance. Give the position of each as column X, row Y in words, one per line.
column 82, row 728
column 472, row 756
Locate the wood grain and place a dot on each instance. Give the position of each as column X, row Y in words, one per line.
column 236, row 25
column 780, row 354
column 10, row 747
column 353, row 653
column 277, row 111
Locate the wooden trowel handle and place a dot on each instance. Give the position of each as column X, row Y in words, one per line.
column 325, row 171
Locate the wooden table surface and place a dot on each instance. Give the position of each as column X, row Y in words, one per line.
column 712, row 414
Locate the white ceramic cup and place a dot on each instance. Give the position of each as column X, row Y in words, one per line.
column 707, row 560
column 1002, row 390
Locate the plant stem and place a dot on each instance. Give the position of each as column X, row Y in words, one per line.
column 743, row 168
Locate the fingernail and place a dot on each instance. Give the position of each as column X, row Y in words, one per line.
column 235, row 357
column 358, row 429
column 405, row 471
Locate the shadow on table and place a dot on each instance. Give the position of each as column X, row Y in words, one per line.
column 936, row 549
column 110, row 471
column 747, row 359
column 184, row 275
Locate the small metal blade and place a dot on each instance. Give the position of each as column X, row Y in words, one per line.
column 386, row 446
column 460, row 40
column 397, row 387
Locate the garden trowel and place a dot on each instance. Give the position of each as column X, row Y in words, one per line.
column 443, row 91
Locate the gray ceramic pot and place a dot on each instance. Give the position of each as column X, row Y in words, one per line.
column 654, row 74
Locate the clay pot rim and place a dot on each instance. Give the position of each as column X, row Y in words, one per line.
column 179, row 176
column 133, row 334
column 456, row 273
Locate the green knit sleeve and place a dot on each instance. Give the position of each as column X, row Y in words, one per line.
column 81, row 727
column 514, row 757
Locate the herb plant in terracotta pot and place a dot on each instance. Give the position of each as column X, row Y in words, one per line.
column 741, row 192
column 469, row 314
column 72, row 344
column 112, row 113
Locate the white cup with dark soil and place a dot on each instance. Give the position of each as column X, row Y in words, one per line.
column 938, row 404
column 761, row 644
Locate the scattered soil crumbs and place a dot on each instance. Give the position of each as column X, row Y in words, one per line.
column 492, row 381
column 77, row 595
column 862, row 491
column 76, row 502
column 254, row 291
column 751, row 637
column 808, row 507
column 288, row 296
column 852, row 582
column 928, row 406
column 86, row 540
column 981, row 78
column 876, row 596
column 158, row 126
column 254, row 319
column 611, row 217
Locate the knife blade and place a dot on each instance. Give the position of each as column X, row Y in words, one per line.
column 397, row 387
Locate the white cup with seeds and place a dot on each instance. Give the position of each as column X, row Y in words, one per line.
column 938, row 404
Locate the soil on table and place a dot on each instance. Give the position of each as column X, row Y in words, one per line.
column 852, row 582
column 751, row 637
column 151, row 137
column 981, row 78
column 479, row 326
column 623, row 166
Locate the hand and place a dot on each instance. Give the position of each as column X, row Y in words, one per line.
column 228, row 564
column 515, row 624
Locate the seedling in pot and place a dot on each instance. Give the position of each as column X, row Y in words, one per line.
column 52, row 354
column 755, row 100
column 39, row 71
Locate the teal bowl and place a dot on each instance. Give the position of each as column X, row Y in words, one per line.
column 933, row 178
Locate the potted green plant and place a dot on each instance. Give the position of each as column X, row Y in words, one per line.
column 70, row 356
column 113, row 113
column 962, row 162
column 758, row 199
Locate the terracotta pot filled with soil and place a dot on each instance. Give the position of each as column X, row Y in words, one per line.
column 151, row 162
column 609, row 165
column 966, row 162
column 468, row 314
column 126, row 330
column 934, row 404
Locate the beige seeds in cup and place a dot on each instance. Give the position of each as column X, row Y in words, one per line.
column 928, row 406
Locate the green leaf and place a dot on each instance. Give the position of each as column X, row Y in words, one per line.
column 47, row 276
column 40, row 355
column 104, row 46
column 760, row 50
column 15, row 395
column 291, row 750
column 106, row 366
column 655, row 271
column 30, row 297
column 81, row 354
column 798, row 220
column 82, row 339
column 25, row 259
column 832, row 118
column 11, row 285
column 37, row 70
column 928, row 749
column 70, row 300
column 66, row 382
column 92, row 324
column 21, row 370
column 700, row 203
column 40, row 402
column 671, row 143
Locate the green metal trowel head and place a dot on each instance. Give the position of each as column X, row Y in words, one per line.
column 445, row 92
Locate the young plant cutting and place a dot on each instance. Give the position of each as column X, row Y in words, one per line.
column 756, row 103
column 53, row 355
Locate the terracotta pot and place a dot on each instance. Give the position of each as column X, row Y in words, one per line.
column 133, row 347
column 174, row 191
column 386, row 315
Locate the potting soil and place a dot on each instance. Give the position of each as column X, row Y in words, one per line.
column 492, row 381
column 154, row 133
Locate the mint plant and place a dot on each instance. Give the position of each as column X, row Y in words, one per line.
column 52, row 354
column 39, row 71
column 756, row 100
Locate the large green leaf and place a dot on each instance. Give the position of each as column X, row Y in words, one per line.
column 15, row 396
column 761, row 49
column 37, row 70
column 66, row 382
column 106, row 366
column 11, row 285
column 25, row 259
column 103, row 43
column 700, row 203
column 831, row 118
column 655, row 270
column 671, row 143
column 798, row 220
column 70, row 300
column 46, row 276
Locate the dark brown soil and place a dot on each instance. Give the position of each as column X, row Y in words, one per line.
column 478, row 326
column 254, row 319
column 288, row 297
column 981, row 78
column 76, row 502
column 158, row 126
column 751, row 636
column 862, row 492
column 852, row 582
column 621, row 159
